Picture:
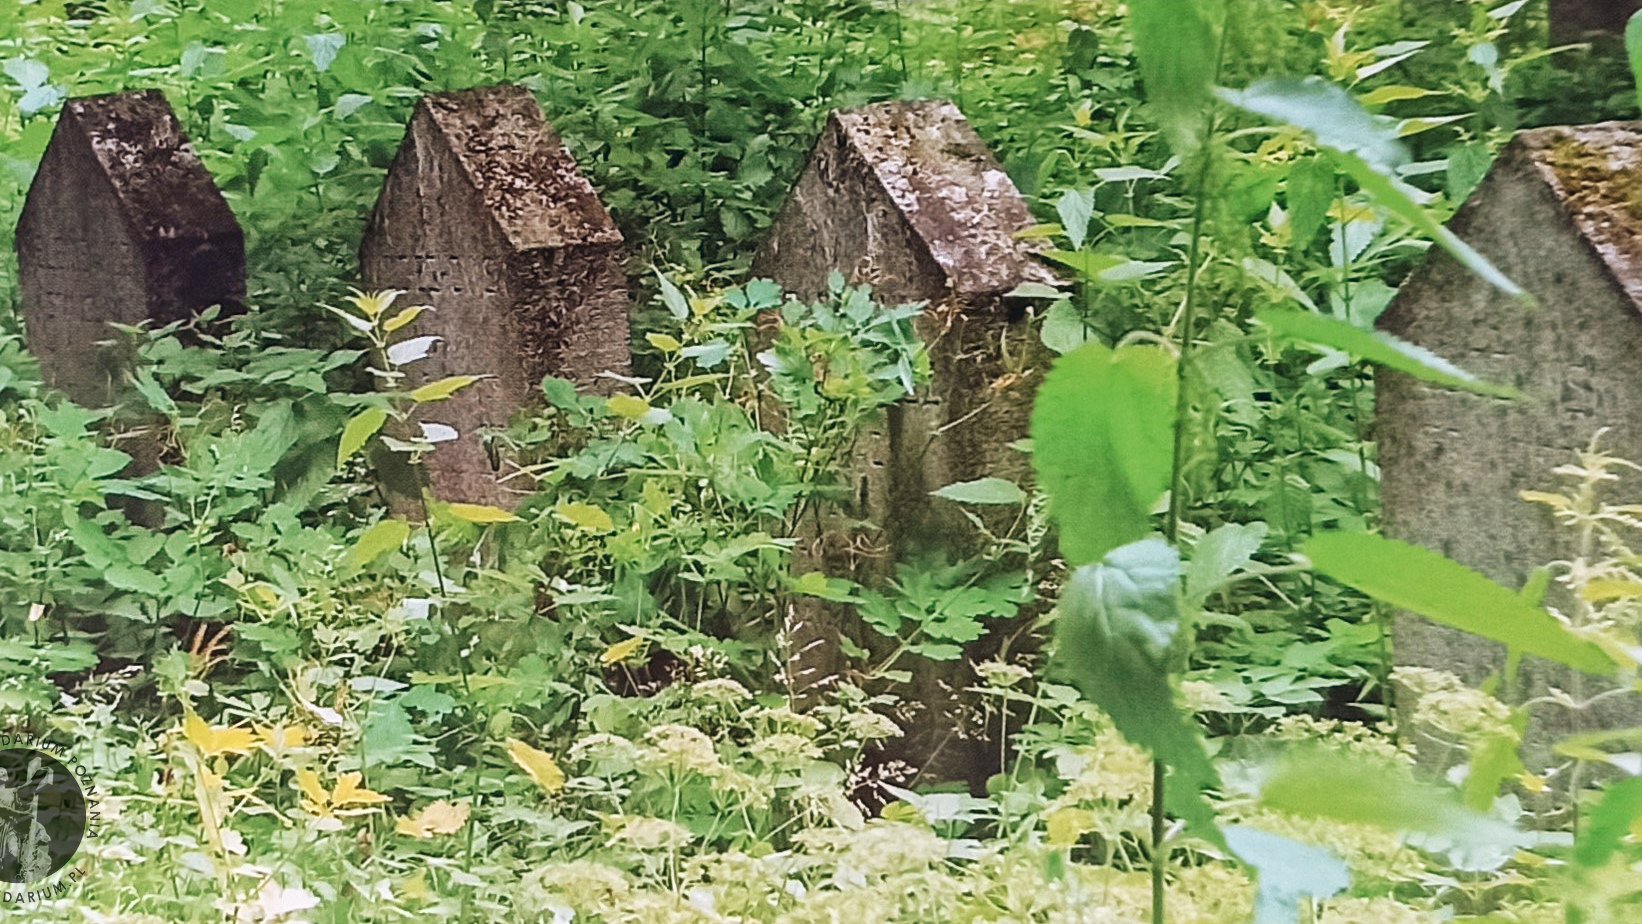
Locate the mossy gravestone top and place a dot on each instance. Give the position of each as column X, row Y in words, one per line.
column 1561, row 212
column 905, row 197
column 122, row 225
column 486, row 218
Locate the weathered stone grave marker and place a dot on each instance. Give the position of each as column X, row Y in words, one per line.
column 1561, row 212
column 906, row 197
column 486, row 218
column 1577, row 20
column 122, row 224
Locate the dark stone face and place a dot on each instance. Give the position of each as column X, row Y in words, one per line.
column 42, row 815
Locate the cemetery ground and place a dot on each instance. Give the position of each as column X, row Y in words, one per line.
column 789, row 461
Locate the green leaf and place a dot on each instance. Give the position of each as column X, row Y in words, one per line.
column 1325, row 110
column 1393, row 196
column 1286, row 871
column 1633, row 51
column 358, row 432
column 1446, row 592
column 1310, row 192
column 481, row 514
column 1221, row 553
column 983, row 491
column 1315, row 783
column 1376, row 347
column 1117, row 625
column 1177, row 51
column 380, row 538
column 442, row 389
column 1103, row 432
column 677, row 305
column 1611, row 819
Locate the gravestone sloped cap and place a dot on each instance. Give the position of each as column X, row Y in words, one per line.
column 1594, row 175
column 530, row 184
column 162, row 188
column 952, row 192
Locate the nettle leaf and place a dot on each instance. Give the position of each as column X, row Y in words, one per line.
column 1286, row 871
column 1220, row 554
column 1608, row 822
column 983, row 491
column 323, row 49
column 1395, row 197
column 1103, row 432
column 1114, row 639
column 1176, row 47
column 1325, row 110
column 1376, row 347
column 1446, row 592
column 1315, row 783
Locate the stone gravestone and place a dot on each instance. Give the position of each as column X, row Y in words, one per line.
column 1560, row 213
column 485, row 217
column 122, row 224
column 906, row 197
column 1576, row 20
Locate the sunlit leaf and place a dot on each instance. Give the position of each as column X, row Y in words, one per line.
column 1376, row 347
column 1446, row 592
column 621, row 650
column 442, row 389
column 212, row 740
column 434, row 819
column 481, row 514
column 380, row 538
column 585, row 516
column 983, row 491
column 358, row 431
column 539, row 765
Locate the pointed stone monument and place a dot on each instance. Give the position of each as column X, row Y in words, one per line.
column 486, row 218
column 122, row 225
column 1561, row 212
column 905, row 197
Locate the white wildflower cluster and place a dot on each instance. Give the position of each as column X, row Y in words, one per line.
column 1444, row 706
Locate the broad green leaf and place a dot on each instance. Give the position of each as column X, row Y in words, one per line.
column 1376, row 347
column 1064, row 328
column 1352, row 788
column 1075, row 209
column 983, row 491
column 403, row 318
column 1607, row 823
column 481, row 514
column 358, row 432
column 1221, row 553
column 586, row 517
column 1286, row 872
column 1103, row 432
column 1117, row 625
column 1446, row 592
column 1177, row 51
column 382, row 537
column 442, row 389
column 1393, row 196
column 677, row 305
column 1633, row 51
column 1493, row 761
column 1325, row 110
column 628, row 407
column 1310, row 192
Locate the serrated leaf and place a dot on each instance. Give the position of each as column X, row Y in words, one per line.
column 1114, row 638
column 538, row 765
column 1176, row 48
column 1446, row 592
column 442, row 389
column 1325, row 110
column 1352, row 788
column 358, row 432
column 983, row 491
column 482, row 514
column 380, row 538
column 1103, row 432
column 1377, row 347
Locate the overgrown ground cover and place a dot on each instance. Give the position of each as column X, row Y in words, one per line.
column 299, row 707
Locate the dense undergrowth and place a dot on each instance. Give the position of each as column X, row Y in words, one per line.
column 298, row 706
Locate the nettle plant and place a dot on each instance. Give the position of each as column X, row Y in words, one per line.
column 1112, row 434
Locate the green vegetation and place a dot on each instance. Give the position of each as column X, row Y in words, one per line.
column 300, row 705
